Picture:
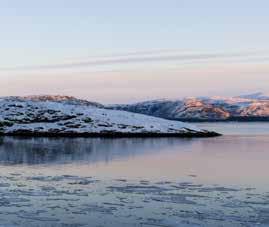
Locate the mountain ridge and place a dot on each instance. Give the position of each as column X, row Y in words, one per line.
column 254, row 107
column 250, row 107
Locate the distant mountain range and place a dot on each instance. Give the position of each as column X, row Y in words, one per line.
column 252, row 107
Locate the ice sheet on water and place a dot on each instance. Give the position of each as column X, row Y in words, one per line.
column 58, row 199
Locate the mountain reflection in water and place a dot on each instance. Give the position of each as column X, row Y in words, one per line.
column 30, row 151
column 227, row 159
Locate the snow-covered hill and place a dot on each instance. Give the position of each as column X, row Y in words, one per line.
column 257, row 96
column 247, row 108
column 58, row 98
column 56, row 116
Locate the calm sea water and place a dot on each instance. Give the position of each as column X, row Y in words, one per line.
column 238, row 128
column 220, row 181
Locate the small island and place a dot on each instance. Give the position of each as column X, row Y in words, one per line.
column 66, row 116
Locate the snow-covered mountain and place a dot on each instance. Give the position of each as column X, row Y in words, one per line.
column 58, row 98
column 244, row 108
column 66, row 116
column 258, row 96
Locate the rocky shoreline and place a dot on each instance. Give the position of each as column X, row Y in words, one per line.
column 25, row 133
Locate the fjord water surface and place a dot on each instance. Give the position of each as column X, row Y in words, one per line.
column 138, row 182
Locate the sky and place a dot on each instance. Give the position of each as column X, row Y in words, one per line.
column 127, row 51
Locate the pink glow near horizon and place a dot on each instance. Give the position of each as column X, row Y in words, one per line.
column 130, row 85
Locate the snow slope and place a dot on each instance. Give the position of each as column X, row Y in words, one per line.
column 28, row 116
column 58, row 98
column 257, row 96
column 249, row 107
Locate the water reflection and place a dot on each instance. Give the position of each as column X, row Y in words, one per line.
column 15, row 150
column 129, row 182
column 227, row 159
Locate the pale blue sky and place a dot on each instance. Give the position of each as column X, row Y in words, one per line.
column 62, row 33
